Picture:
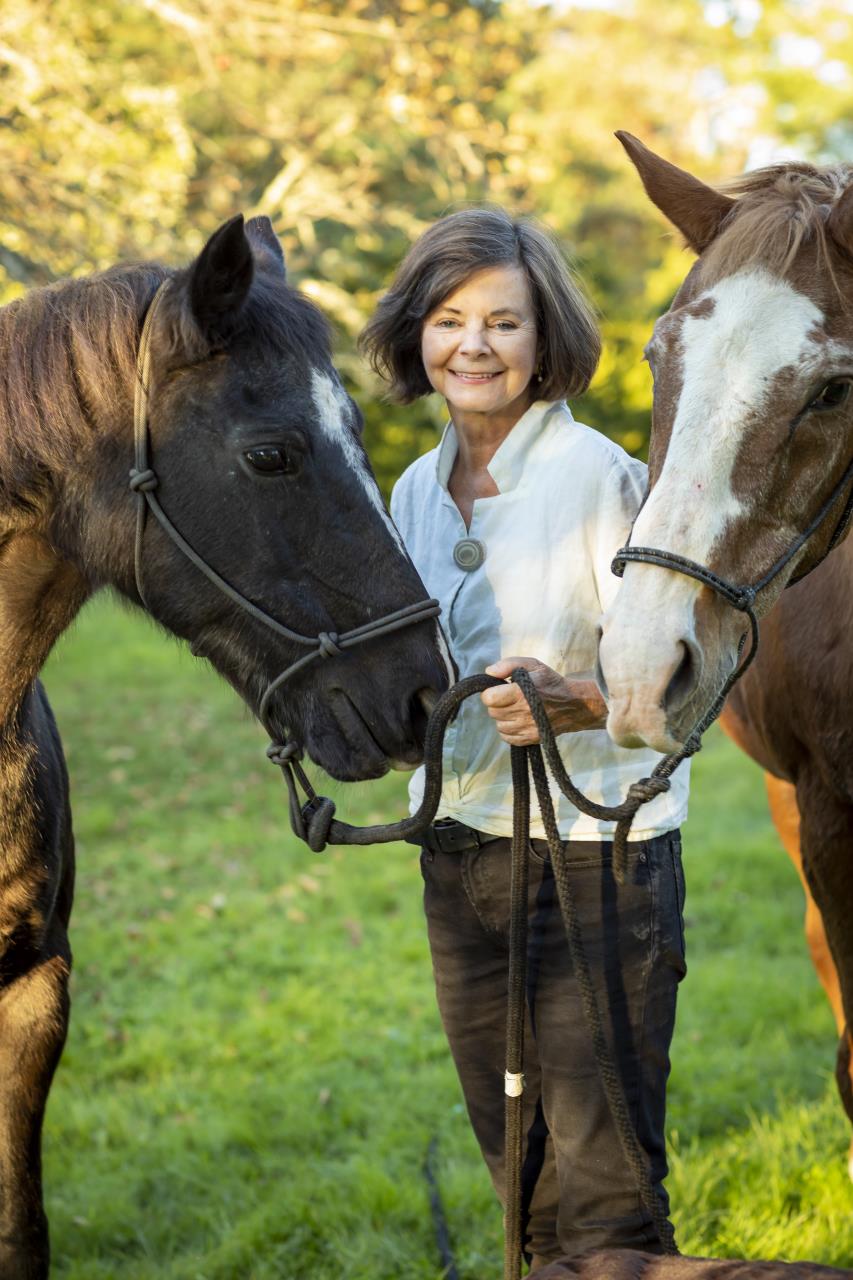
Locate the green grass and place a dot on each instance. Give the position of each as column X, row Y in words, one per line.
column 255, row 1065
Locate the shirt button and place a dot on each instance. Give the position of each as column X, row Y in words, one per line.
column 469, row 553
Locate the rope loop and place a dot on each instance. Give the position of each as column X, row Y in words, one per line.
column 143, row 481
column 645, row 789
column 327, row 645
column 319, row 823
column 282, row 752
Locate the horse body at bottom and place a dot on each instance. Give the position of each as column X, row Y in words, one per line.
column 259, row 463
column 791, row 714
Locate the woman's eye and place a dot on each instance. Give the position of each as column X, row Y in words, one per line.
column 505, row 326
column 833, row 395
column 272, row 459
column 445, row 324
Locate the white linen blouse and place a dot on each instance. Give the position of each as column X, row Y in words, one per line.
column 567, row 496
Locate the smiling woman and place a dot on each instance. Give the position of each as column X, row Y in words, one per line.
column 512, row 523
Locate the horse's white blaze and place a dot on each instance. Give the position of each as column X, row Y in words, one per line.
column 758, row 325
column 754, row 326
column 333, row 411
column 444, row 650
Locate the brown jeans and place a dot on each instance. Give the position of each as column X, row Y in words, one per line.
column 579, row 1193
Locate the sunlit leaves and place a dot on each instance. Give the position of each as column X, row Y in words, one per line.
column 131, row 130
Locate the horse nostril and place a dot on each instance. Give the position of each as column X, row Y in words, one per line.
column 428, row 698
column 684, row 679
column 419, row 712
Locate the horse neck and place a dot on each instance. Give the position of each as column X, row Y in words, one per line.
column 40, row 593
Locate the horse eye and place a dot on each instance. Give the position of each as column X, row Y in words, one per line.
column 272, row 460
column 833, row 395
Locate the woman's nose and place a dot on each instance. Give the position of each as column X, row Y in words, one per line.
column 474, row 340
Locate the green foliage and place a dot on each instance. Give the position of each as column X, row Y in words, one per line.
column 256, row 1066
column 131, row 129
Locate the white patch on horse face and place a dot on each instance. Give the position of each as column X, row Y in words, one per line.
column 730, row 355
column 333, row 411
column 444, row 650
column 758, row 326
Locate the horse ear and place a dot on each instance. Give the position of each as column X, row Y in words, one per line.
column 220, row 278
column 266, row 245
column 692, row 206
column 839, row 224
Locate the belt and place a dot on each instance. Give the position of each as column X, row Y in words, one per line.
column 449, row 836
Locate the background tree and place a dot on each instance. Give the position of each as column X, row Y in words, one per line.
column 131, row 128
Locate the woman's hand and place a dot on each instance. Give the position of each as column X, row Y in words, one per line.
column 571, row 704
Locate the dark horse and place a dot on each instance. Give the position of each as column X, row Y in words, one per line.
column 257, row 448
column 751, row 440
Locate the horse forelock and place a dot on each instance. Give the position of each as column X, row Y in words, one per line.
column 779, row 211
column 281, row 317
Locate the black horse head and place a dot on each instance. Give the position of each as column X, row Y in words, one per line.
column 257, row 449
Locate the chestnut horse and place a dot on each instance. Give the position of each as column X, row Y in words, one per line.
column 252, row 447
column 751, row 442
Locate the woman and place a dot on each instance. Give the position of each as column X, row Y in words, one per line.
column 512, row 523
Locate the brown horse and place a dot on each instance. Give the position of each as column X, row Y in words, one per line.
column 751, row 440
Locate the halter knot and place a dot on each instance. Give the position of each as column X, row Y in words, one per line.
column 744, row 598
column 327, row 645
column 647, row 788
column 143, row 481
column 282, row 752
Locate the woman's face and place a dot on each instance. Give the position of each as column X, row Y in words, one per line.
column 479, row 345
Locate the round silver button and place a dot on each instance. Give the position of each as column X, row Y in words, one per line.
column 469, row 553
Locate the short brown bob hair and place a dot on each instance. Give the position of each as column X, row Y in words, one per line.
column 441, row 260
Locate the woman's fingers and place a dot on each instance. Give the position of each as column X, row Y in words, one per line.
column 503, row 695
column 504, row 667
column 518, row 731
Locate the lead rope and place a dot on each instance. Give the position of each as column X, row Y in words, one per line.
column 315, row 823
column 515, row 1011
column 524, row 759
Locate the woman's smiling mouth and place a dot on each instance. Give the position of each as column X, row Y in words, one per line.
column 475, row 377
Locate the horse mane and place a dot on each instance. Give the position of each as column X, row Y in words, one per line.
column 779, row 210
column 64, row 351
column 68, row 358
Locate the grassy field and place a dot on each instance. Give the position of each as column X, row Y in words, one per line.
column 255, row 1066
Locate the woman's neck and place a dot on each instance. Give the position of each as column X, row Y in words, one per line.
column 480, row 435
column 478, row 438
